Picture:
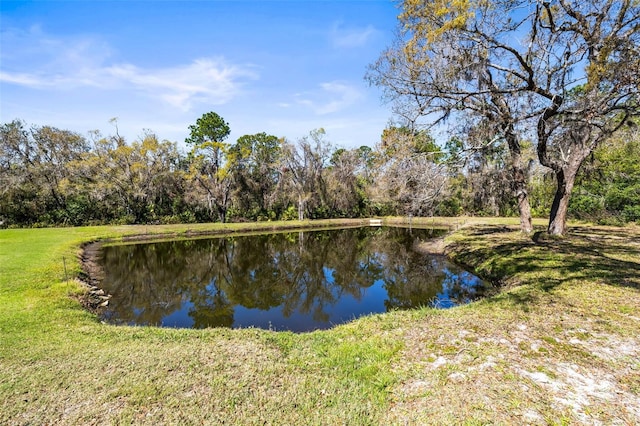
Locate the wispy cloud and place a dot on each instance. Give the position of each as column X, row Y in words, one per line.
column 66, row 64
column 332, row 97
column 204, row 80
column 350, row 37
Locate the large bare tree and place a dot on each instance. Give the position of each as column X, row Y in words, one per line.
column 565, row 72
column 301, row 166
column 409, row 173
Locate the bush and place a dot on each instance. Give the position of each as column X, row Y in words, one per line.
column 291, row 213
column 450, row 206
column 586, row 207
column 631, row 213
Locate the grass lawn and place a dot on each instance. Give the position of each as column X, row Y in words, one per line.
column 559, row 344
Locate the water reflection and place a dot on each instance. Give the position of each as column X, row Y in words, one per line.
column 293, row 281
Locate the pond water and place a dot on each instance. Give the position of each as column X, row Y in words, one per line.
column 298, row 281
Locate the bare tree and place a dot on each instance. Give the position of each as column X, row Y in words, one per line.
column 435, row 71
column 414, row 182
column 345, row 188
column 301, row 168
column 409, row 173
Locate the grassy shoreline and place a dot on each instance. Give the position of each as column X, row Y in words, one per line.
column 558, row 345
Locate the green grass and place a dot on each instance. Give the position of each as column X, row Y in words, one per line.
column 564, row 329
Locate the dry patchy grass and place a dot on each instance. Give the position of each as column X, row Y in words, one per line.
column 558, row 345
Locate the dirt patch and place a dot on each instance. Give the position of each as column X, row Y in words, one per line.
column 92, row 273
column 94, row 299
column 506, row 374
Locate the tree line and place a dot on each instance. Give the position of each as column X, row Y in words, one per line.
column 50, row 176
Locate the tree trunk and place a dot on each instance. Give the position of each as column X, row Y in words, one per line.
column 520, row 181
column 565, row 178
column 522, row 195
column 300, row 208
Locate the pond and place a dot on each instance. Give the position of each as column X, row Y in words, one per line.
column 297, row 281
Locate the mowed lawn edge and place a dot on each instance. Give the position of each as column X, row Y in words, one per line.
column 59, row 364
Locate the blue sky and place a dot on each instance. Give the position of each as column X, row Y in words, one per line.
column 281, row 67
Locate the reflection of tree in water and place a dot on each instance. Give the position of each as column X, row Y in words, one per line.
column 306, row 274
column 299, row 272
column 213, row 310
column 413, row 280
column 210, row 266
column 458, row 287
column 412, row 284
column 409, row 279
column 141, row 277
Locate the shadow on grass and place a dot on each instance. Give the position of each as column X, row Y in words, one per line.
column 489, row 230
column 503, row 255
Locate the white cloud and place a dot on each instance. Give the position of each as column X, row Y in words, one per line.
column 204, row 80
column 351, row 37
column 67, row 64
column 333, row 97
column 343, row 96
column 22, row 79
